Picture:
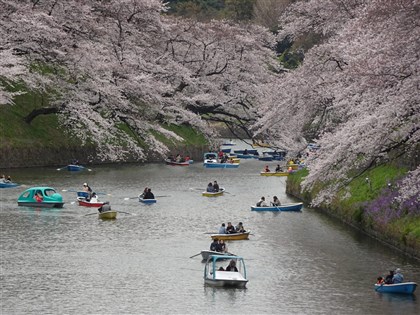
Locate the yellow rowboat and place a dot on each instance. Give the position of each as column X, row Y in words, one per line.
column 231, row 237
column 234, row 159
column 294, row 167
column 214, row 194
column 274, row 173
column 108, row 215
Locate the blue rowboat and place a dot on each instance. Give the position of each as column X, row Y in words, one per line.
column 8, row 185
column 75, row 168
column 404, row 288
column 251, row 151
column 147, row 201
column 50, row 198
column 221, row 165
column 286, row 207
column 267, row 158
column 226, row 150
column 246, row 156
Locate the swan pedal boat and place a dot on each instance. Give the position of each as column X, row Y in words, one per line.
column 217, row 278
column 174, row 163
column 405, row 288
column 51, row 199
column 83, row 202
column 108, row 215
column 285, row 207
column 8, row 185
column 231, row 236
column 214, row 194
column 274, row 173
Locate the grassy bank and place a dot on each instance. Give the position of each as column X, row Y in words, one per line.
column 45, row 142
column 367, row 203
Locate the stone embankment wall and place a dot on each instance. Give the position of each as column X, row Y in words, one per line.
column 33, row 156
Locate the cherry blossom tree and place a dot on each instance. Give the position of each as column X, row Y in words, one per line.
column 122, row 65
column 358, row 89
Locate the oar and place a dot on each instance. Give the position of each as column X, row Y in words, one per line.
column 197, row 189
column 128, row 198
column 210, row 233
column 163, row 196
column 61, row 168
column 91, row 213
column 124, row 212
column 98, row 193
column 195, row 255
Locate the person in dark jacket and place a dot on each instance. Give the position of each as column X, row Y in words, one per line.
column 149, row 194
column 232, row 266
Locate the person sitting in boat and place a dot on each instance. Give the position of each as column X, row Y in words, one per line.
column 276, row 202
column 9, row 179
column 86, row 188
column 210, row 187
column 380, row 280
column 3, row 179
column 105, row 207
column 144, row 192
column 178, row 158
column 214, row 245
column 38, row 196
column 221, row 247
column 220, row 155
column 149, row 194
column 398, row 277
column 94, row 198
column 230, row 228
column 266, row 169
column 216, row 187
column 278, row 169
column 240, row 228
column 232, row 266
column 222, row 229
column 388, row 278
column 262, row 202
column 245, row 151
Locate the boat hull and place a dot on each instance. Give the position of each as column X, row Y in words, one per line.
column 205, row 254
column 221, row 165
column 173, row 163
column 85, row 203
column 8, row 185
column 108, row 215
column 213, row 194
column 274, row 173
column 41, row 204
column 147, row 201
column 226, row 283
column 286, row 207
column 402, row 288
column 231, row 237
column 75, row 168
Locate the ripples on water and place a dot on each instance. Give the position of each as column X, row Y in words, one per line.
column 62, row 261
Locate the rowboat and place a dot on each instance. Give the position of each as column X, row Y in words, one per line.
column 247, row 156
column 50, row 198
column 108, row 215
column 147, row 201
column 232, row 236
column 266, row 158
column 8, row 185
column 83, row 202
column 226, row 150
column 286, row 207
column 234, row 159
column 230, row 143
column 207, row 253
column 405, row 288
column 75, row 168
column 217, row 277
column 220, row 165
column 82, row 194
column 246, row 151
column 174, row 163
column 214, row 194
column 261, row 145
column 274, row 173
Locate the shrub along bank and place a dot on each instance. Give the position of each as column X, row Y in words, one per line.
column 368, row 204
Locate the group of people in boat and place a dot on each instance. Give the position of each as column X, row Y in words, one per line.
column 230, row 229
column 218, row 246
column 5, row 179
column 178, row 158
column 394, row 276
column 278, row 169
column 230, row 267
column 213, row 187
column 147, row 194
column 263, row 203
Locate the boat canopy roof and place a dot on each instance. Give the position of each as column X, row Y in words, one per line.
column 222, row 257
column 42, row 188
